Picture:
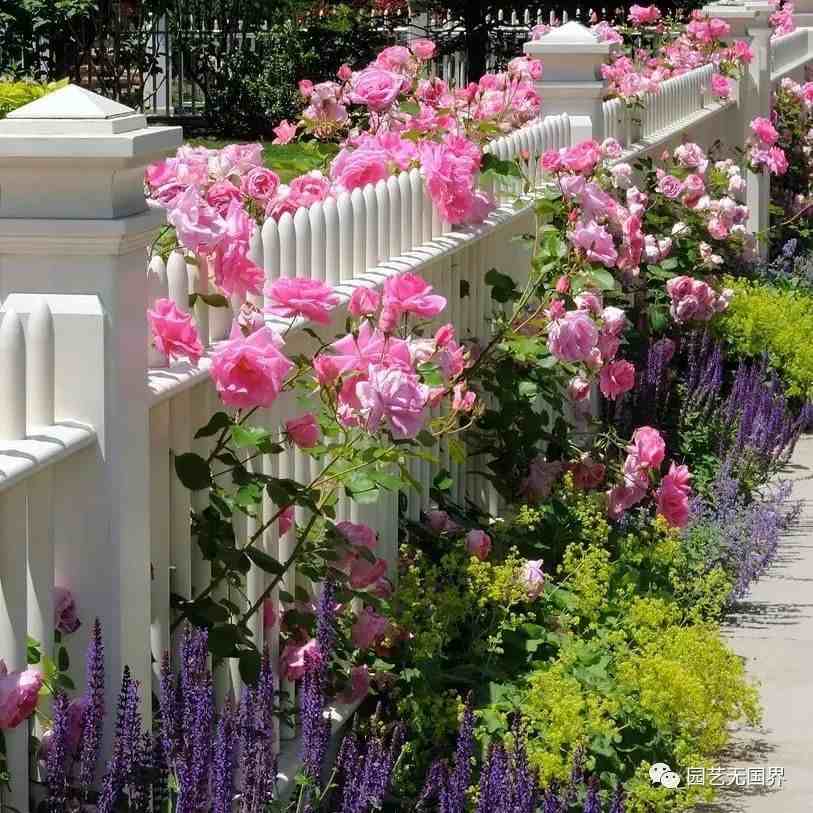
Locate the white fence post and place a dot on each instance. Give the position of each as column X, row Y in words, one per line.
column 73, row 220
column 571, row 83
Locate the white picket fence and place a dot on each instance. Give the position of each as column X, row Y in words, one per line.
column 88, row 495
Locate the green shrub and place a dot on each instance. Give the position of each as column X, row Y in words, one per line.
column 778, row 322
column 14, row 94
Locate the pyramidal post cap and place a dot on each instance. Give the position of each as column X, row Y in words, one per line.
column 568, row 38
column 72, row 110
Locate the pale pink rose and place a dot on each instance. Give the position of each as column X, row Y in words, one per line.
column 607, row 346
column 533, row 577
column 411, row 293
column 363, row 302
column 250, row 371
column 294, row 659
column 463, row 399
column 691, row 156
column 673, row 496
column 621, row 175
column 395, row 58
column 670, row 187
column 369, row 627
column 582, row 158
column 440, row 522
column 644, row 15
column 284, row 132
column 286, row 520
column 617, row 378
column 249, row 318
column 221, row 194
column 173, row 332
column 615, row 320
column 621, row 498
column 260, row 184
column 589, row 301
column 423, row 48
column 596, row 242
column 376, row 88
column 542, row 474
column 765, row 131
column 478, row 543
column 310, row 188
column 290, row 297
column 199, row 227
column 647, row 448
column 610, row 148
column 550, row 161
column 357, row 168
column 236, row 159
column 394, row 397
column 270, row 616
column 694, row 186
column 359, row 686
column 66, row 619
column 573, row 337
column 18, row 695
column 578, row 389
column 303, row 431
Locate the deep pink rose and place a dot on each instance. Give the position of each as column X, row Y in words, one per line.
column 18, row 695
column 647, row 448
column 596, row 242
column 533, row 577
column 290, row 297
column 673, row 496
column 363, row 302
column 478, row 543
column 720, row 86
column 294, row 659
column 66, row 619
column 360, row 167
column 765, row 131
column 376, row 88
column 573, row 337
column 393, row 396
column 582, row 158
column 304, row 431
column 369, row 626
column 221, row 194
column 364, row 574
column 250, row 371
column 173, row 331
column 411, row 293
column 440, row 522
column 616, row 378
column 588, row 473
column 644, row 15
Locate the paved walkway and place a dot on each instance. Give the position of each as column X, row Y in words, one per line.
column 773, row 631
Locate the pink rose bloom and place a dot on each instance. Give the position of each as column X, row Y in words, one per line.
column 423, row 48
column 284, row 132
column 310, row 188
column 610, row 148
column 363, row 302
column 65, row 618
column 719, row 28
column 691, row 156
column 345, row 72
column 445, row 335
column 542, row 474
column 249, row 318
column 693, row 186
column 742, row 52
column 615, row 320
column 622, row 498
column 286, row 520
column 582, row 158
column 449, row 180
column 578, row 389
column 234, row 271
column 357, row 168
column 617, row 378
column 647, row 448
column 304, row 431
column 550, row 161
column 440, row 522
column 18, row 695
column 221, row 194
column 199, row 227
column 463, row 399
column 411, row 293
column 250, row 371
column 533, row 577
column 369, row 626
column 294, row 659
column 260, row 184
column 573, row 337
column 393, row 396
column 305, row 87
column 670, row 187
column 596, row 242
column 359, row 686
column 358, row 534
column 376, row 88
column 173, row 331
column 290, row 297
column 588, row 474
column 364, row 574
column 644, row 15
column 607, row 346
column 478, row 543
column 589, row 301
column 765, row 131
column 237, row 159
column 673, row 496
column 720, row 86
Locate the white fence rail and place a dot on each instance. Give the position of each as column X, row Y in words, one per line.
column 790, row 53
column 76, row 422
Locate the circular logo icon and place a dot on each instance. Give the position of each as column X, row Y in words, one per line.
column 670, row 779
column 657, row 771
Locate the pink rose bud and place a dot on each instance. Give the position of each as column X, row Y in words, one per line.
column 563, row 285
column 478, row 543
column 445, row 335
column 345, row 72
column 363, row 302
column 304, row 431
